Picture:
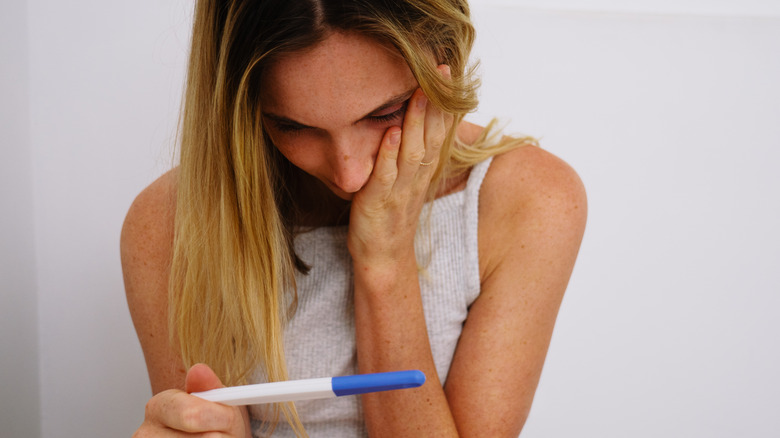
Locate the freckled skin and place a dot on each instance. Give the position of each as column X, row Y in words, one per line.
column 330, row 87
column 532, row 211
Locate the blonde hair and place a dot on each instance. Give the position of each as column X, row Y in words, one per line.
column 232, row 284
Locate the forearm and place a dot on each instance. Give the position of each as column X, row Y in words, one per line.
column 392, row 335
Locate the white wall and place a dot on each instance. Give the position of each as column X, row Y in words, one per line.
column 728, row 8
column 673, row 121
column 105, row 83
column 669, row 111
column 19, row 390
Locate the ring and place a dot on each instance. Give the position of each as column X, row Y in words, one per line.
column 422, row 163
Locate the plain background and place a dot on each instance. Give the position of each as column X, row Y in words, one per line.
column 669, row 110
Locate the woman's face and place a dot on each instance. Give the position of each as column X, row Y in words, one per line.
column 326, row 109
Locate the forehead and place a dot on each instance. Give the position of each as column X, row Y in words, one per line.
column 338, row 80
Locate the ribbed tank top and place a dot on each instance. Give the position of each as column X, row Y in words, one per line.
column 320, row 338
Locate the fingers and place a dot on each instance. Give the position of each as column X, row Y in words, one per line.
column 437, row 124
column 435, row 132
column 425, row 129
column 412, row 162
column 201, row 378
column 175, row 413
column 180, row 411
column 385, row 172
column 413, row 138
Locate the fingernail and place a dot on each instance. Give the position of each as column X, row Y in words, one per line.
column 395, row 138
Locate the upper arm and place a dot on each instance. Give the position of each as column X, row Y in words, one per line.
column 531, row 220
column 146, row 247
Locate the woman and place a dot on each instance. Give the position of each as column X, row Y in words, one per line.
column 334, row 214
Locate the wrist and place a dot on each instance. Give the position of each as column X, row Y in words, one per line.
column 383, row 272
column 380, row 254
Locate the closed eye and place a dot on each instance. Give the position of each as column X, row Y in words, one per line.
column 381, row 115
column 290, row 127
column 390, row 117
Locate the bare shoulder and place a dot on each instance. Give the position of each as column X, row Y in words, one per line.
column 148, row 227
column 146, row 246
column 530, row 174
column 528, row 191
column 532, row 211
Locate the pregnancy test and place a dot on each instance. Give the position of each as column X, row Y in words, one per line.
column 309, row 389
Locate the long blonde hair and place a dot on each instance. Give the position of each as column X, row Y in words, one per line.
column 232, row 285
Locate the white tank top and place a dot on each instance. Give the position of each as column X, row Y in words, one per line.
column 320, row 339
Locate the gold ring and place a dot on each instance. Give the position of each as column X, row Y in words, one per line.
column 422, row 163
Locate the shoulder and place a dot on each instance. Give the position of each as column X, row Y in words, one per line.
column 529, row 174
column 532, row 210
column 146, row 245
column 529, row 191
column 148, row 225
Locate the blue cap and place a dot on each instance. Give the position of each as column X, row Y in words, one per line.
column 363, row 383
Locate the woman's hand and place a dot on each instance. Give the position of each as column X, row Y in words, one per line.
column 385, row 212
column 176, row 413
column 390, row 327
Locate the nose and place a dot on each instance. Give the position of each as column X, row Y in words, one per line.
column 352, row 161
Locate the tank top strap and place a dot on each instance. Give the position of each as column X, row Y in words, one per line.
column 471, row 216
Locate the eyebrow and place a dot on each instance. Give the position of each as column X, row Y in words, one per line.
column 395, row 100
